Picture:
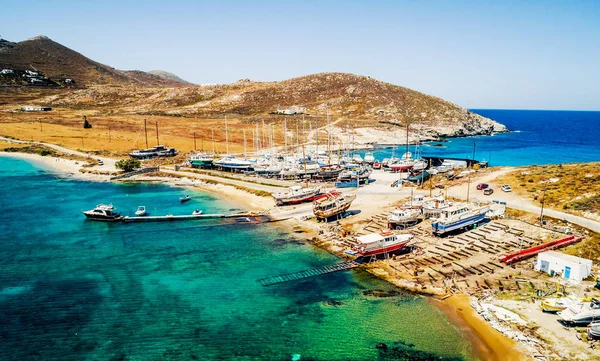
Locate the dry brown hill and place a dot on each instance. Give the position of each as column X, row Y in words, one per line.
column 345, row 96
column 57, row 62
column 167, row 75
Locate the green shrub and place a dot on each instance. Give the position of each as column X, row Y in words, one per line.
column 128, row 165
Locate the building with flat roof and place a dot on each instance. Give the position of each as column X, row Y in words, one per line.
column 564, row 265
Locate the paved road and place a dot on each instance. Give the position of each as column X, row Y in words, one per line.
column 515, row 201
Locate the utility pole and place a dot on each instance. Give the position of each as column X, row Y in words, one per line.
column 468, row 186
column 473, row 159
column 157, row 140
column 146, row 133
column 542, row 210
column 195, row 141
column 244, row 143
column 41, row 127
column 213, row 140
column 109, row 133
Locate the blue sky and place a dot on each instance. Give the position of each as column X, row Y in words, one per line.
column 478, row 54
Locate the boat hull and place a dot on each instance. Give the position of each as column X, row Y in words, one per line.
column 440, row 228
column 383, row 250
column 99, row 218
column 310, row 198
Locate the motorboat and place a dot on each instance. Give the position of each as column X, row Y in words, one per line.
column 103, row 212
column 196, row 212
column 594, row 330
column 157, row 151
column 433, row 207
column 141, row 211
column 334, row 203
column 201, row 160
column 376, row 164
column 330, row 171
column 415, row 202
column 458, row 216
column 184, row 199
column 403, row 218
column 233, row 163
column 419, row 177
column 357, row 158
column 581, row 313
column 369, row 158
column 296, row 195
column 378, row 243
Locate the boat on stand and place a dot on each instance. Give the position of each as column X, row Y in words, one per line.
column 296, row 195
column 403, row 218
column 103, row 212
column 333, row 204
column 377, row 243
column 457, row 217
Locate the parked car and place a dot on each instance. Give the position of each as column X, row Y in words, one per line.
column 506, row 188
column 488, row 191
column 481, row 186
column 100, row 162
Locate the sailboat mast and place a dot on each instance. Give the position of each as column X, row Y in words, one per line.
column 213, row 140
column 328, row 140
column 226, row 137
column 304, row 157
column 146, row 132
column 407, row 125
column 317, row 130
column 285, row 134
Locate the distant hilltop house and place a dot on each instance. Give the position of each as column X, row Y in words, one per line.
column 35, row 108
column 289, row 111
column 6, row 71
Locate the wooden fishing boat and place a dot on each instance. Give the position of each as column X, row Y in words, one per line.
column 333, row 204
column 296, row 195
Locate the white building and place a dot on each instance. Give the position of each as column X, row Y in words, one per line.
column 571, row 267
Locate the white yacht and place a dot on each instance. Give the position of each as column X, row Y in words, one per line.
column 402, row 218
column 457, row 217
column 581, row 313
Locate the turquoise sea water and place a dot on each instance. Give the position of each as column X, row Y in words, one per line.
column 72, row 289
column 538, row 137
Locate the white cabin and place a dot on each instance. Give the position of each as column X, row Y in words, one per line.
column 569, row 267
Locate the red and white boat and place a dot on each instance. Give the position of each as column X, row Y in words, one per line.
column 296, row 195
column 401, row 166
column 377, row 243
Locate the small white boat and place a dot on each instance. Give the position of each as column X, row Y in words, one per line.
column 184, row 199
column 369, row 158
column 197, row 212
column 141, row 211
column 581, row 313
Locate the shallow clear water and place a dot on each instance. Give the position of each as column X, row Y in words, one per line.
column 72, row 289
column 538, row 137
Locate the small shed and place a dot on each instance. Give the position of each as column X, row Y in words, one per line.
column 567, row 266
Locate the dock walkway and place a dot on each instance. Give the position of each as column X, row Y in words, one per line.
column 269, row 281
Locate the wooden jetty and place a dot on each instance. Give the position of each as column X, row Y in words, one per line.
column 269, row 281
column 239, row 217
